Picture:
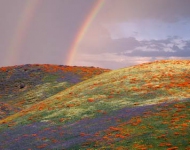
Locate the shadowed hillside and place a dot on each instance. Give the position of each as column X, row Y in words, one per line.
column 139, row 107
column 21, row 86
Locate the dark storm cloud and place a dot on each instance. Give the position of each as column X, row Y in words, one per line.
column 165, row 10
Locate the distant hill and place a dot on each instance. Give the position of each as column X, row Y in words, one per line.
column 21, row 86
column 139, row 107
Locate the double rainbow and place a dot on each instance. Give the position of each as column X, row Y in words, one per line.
column 24, row 22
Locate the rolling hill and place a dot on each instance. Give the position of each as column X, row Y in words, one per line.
column 24, row 85
column 140, row 107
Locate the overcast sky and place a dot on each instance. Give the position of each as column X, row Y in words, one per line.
column 123, row 33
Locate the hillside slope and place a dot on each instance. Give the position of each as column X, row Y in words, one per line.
column 140, row 85
column 139, row 107
column 22, row 86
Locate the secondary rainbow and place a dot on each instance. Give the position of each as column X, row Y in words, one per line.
column 20, row 32
column 89, row 19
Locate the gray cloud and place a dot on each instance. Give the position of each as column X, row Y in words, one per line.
column 172, row 46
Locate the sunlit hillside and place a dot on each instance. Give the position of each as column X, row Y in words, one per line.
column 140, row 107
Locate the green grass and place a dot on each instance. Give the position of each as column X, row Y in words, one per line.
column 138, row 85
column 159, row 130
column 161, row 127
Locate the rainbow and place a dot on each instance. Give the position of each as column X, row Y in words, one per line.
column 20, row 32
column 88, row 20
